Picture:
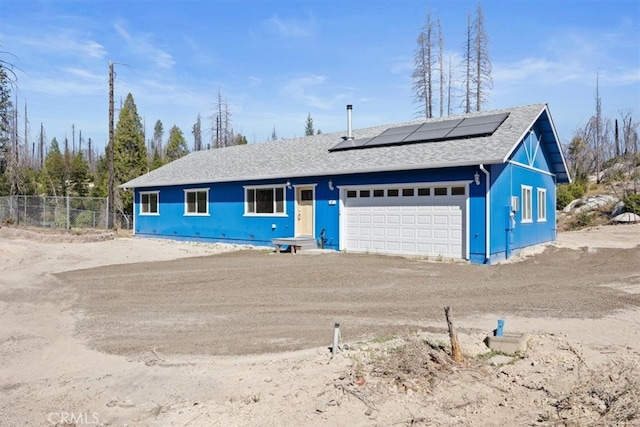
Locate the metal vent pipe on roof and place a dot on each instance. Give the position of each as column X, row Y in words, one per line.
column 349, row 130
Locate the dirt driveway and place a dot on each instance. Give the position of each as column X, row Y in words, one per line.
column 256, row 302
column 148, row 332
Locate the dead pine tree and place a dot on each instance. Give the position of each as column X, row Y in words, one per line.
column 456, row 352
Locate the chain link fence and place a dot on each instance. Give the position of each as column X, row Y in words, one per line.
column 59, row 212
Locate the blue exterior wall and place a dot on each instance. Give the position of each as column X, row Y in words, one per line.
column 528, row 167
column 226, row 221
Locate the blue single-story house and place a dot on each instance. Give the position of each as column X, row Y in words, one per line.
column 477, row 187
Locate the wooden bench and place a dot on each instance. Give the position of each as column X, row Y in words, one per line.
column 294, row 248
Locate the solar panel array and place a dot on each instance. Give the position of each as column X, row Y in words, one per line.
column 429, row 132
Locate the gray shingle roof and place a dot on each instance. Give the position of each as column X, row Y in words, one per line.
column 310, row 156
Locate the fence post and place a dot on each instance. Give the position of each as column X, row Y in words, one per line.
column 106, row 217
column 68, row 214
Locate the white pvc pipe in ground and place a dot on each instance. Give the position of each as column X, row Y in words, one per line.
column 336, row 338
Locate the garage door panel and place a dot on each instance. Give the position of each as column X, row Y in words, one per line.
column 378, row 232
column 408, row 233
column 393, row 219
column 408, row 220
column 424, row 219
column 378, row 245
column 424, row 234
column 364, row 231
column 408, row 247
column 431, row 225
column 393, row 232
column 378, row 219
column 441, row 249
column 393, row 246
column 440, row 219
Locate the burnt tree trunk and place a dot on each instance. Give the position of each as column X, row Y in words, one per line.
column 456, row 352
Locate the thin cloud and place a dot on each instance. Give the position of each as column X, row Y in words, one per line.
column 315, row 91
column 199, row 55
column 84, row 74
column 290, row 28
column 64, row 84
column 139, row 45
column 70, row 43
column 573, row 56
column 254, row 81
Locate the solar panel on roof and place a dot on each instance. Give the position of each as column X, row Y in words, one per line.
column 429, row 132
column 349, row 144
column 475, row 130
column 427, row 135
column 385, row 140
column 445, row 124
column 478, row 126
column 400, row 130
column 481, row 120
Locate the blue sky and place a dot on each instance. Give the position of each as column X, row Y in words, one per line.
column 275, row 61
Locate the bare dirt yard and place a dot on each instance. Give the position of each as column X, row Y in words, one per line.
column 97, row 329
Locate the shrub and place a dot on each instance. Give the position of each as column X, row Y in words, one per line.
column 567, row 193
column 85, row 219
column 582, row 220
column 632, row 203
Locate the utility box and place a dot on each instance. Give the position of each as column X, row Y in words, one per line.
column 510, row 343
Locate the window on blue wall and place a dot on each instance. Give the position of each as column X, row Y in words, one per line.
column 149, row 203
column 196, row 202
column 542, row 204
column 526, row 203
column 264, row 201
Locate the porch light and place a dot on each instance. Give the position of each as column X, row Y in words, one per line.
column 330, row 184
column 289, row 184
column 476, row 178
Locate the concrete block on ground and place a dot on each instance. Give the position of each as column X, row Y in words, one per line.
column 510, row 344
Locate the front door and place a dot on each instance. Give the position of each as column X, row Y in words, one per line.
column 304, row 214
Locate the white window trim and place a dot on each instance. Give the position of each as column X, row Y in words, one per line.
column 141, row 212
column 261, row 187
column 526, row 202
column 542, row 203
column 195, row 190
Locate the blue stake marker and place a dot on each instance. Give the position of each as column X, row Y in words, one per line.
column 500, row 329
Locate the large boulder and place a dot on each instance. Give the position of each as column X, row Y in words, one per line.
column 618, row 209
column 571, row 205
column 595, row 202
column 627, row 217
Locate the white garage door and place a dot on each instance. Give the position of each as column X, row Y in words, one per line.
column 417, row 220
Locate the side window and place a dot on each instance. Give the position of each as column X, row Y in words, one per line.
column 196, row 202
column 149, row 203
column 542, row 204
column 526, row 203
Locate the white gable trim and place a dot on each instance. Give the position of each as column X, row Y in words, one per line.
column 522, row 165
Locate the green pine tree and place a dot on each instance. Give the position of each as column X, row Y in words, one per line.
column 308, row 129
column 156, row 160
column 176, row 145
column 55, row 171
column 79, row 175
column 129, row 151
column 240, row 140
column 101, row 178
